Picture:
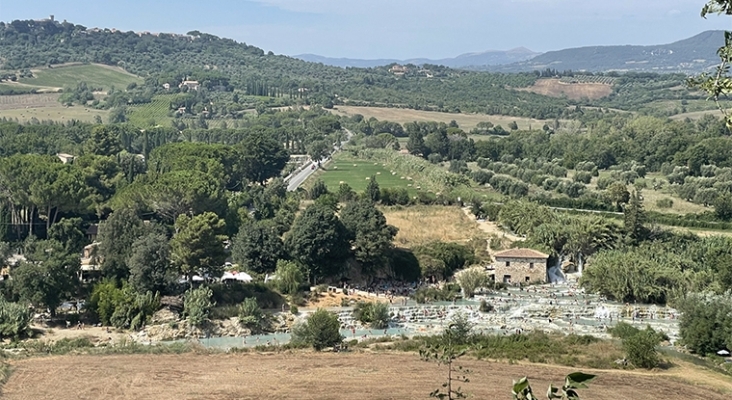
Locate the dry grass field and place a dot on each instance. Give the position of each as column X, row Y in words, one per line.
column 466, row 121
column 424, row 224
column 574, row 91
column 304, row 376
column 694, row 115
column 55, row 112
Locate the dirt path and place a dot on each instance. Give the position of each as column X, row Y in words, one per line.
column 491, row 228
column 304, row 375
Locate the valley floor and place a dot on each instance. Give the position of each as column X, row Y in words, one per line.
column 307, row 375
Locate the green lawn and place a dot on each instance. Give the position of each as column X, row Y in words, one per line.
column 94, row 75
column 357, row 173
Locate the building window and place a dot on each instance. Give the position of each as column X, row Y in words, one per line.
column 531, row 265
column 508, row 263
column 506, row 278
column 528, row 279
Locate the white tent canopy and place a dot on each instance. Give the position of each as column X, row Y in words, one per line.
column 236, row 276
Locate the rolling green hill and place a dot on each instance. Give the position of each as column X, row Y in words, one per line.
column 695, row 54
column 95, row 75
column 230, row 70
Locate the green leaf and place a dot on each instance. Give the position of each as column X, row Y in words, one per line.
column 577, row 380
column 520, row 385
column 551, row 393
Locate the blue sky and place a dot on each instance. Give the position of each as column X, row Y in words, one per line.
column 392, row 28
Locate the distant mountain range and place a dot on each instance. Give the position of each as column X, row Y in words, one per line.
column 468, row 60
column 694, row 54
column 697, row 53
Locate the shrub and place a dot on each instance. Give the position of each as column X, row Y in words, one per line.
column 664, row 203
column 583, row 177
column 250, row 315
column 320, row 330
column 14, row 319
column 458, row 329
column 104, row 299
column 641, row 349
column 485, row 306
column 319, row 188
column 623, row 330
column 134, row 309
column 470, row 279
column 234, row 293
column 604, row 182
column 289, row 277
column 481, row 176
column 374, row 314
column 706, row 325
column 197, row 305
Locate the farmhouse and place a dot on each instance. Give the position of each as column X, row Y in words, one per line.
column 520, row 266
column 398, row 69
column 191, row 85
column 65, row 158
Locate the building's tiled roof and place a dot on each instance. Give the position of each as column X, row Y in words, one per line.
column 93, row 229
column 520, row 253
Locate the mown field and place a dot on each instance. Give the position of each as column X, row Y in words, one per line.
column 55, row 112
column 357, row 173
column 98, row 76
column 466, row 121
column 305, row 375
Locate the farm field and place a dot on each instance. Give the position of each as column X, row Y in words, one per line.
column 151, row 114
column 305, row 375
column 55, row 112
column 466, row 121
column 420, row 225
column 28, row 101
column 357, row 174
column 574, row 91
column 95, row 75
column 694, row 115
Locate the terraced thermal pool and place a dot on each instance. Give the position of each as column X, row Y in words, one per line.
column 557, row 308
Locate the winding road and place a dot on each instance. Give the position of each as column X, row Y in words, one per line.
column 296, row 179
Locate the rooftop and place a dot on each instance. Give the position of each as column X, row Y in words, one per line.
column 520, row 253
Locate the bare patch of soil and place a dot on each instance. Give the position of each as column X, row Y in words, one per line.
column 573, row 91
column 304, row 375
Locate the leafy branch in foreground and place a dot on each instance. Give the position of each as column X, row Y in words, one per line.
column 719, row 84
column 445, row 353
column 522, row 389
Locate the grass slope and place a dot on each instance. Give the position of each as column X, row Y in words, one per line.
column 357, row 173
column 97, row 76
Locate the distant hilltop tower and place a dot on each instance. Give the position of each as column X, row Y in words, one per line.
column 51, row 18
